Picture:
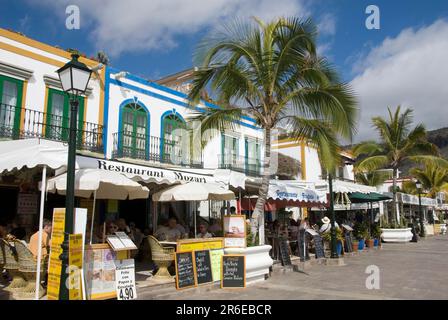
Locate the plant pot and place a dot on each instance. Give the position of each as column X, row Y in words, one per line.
column 397, row 235
column 355, row 245
column 370, row 243
column 258, row 261
column 361, row 245
column 376, row 242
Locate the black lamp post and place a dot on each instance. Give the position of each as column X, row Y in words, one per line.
column 418, row 184
column 74, row 77
column 334, row 253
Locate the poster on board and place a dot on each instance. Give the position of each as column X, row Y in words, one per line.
column 235, row 231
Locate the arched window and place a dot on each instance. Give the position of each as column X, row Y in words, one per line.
column 134, row 131
column 171, row 148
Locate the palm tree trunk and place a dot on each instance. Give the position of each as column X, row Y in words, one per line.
column 257, row 221
column 394, row 197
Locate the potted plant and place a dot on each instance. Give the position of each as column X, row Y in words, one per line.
column 369, row 240
column 360, row 234
column 376, row 234
column 396, row 232
column 339, row 240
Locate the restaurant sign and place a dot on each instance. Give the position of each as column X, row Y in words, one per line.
column 142, row 173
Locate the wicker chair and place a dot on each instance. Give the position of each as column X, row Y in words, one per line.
column 12, row 266
column 162, row 257
column 28, row 266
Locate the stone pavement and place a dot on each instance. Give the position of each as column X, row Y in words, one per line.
column 407, row 271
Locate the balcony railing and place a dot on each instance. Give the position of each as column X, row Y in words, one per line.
column 22, row 123
column 153, row 149
column 248, row 166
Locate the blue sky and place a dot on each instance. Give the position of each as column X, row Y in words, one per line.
column 156, row 38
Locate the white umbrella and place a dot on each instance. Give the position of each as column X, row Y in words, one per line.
column 102, row 184
column 194, row 191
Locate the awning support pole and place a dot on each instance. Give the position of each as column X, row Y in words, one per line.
column 41, row 222
column 93, row 216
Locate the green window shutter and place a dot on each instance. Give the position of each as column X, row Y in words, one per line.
column 10, row 111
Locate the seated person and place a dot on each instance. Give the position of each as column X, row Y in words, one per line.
column 17, row 231
column 111, row 228
column 46, row 241
column 326, row 227
column 203, row 233
column 170, row 233
column 216, row 227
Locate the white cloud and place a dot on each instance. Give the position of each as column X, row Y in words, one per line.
column 409, row 70
column 327, row 24
column 142, row 25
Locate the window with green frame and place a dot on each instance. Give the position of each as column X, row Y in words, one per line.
column 171, row 139
column 134, row 131
column 252, row 157
column 58, row 115
column 11, row 94
column 229, row 149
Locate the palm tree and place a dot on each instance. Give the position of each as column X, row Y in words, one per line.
column 271, row 71
column 432, row 177
column 372, row 178
column 398, row 143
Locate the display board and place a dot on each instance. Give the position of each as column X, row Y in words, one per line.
column 284, row 252
column 319, row 247
column 202, row 262
column 75, row 260
column 125, row 279
column 216, row 260
column 233, row 271
column 55, row 264
column 186, row 245
column 235, row 231
column 99, row 266
column 185, row 270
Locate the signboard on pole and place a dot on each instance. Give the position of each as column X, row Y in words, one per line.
column 55, row 264
column 235, row 231
column 125, row 279
column 75, row 261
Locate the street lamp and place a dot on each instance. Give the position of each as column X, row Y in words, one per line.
column 418, row 184
column 74, row 77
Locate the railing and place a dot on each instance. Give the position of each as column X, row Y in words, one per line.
column 248, row 166
column 22, row 123
column 154, row 149
column 325, row 177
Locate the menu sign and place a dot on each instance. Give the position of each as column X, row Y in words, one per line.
column 233, row 271
column 55, row 267
column 235, row 231
column 185, row 271
column 100, row 269
column 284, row 253
column 203, row 266
column 318, row 245
column 216, row 259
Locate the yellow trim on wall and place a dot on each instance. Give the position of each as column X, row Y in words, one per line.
column 102, row 80
column 44, row 120
column 286, row 146
column 303, row 160
column 30, row 54
column 42, row 46
column 22, row 114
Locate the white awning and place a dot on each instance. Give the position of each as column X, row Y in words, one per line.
column 30, row 153
column 344, row 187
column 143, row 173
column 291, row 190
column 229, row 177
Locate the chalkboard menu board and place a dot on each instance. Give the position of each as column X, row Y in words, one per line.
column 185, row 272
column 203, row 266
column 233, row 271
column 318, row 244
column 284, row 252
column 348, row 242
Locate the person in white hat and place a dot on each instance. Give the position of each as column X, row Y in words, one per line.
column 326, row 227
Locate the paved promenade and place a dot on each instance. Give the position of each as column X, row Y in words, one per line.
column 406, row 271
